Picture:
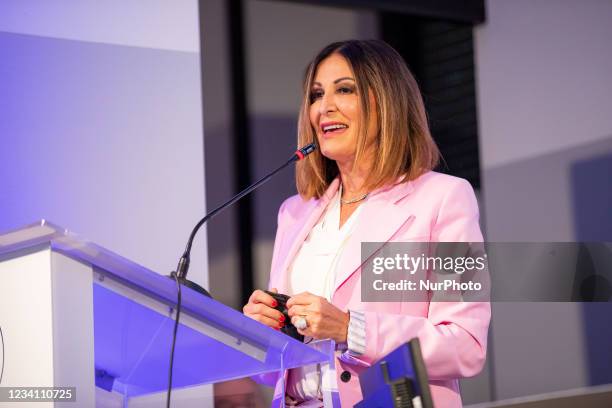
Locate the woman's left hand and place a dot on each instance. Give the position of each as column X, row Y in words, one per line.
column 325, row 321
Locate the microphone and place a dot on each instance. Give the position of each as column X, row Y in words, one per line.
column 183, row 264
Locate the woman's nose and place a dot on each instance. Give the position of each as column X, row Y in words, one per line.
column 328, row 103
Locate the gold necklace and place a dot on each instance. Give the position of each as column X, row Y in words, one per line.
column 354, row 200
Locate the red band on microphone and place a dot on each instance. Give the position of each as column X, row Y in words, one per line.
column 299, row 154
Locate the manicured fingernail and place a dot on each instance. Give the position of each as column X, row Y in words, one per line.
column 282, row 318
column 274, row 303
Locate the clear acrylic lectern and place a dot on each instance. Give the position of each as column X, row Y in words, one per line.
column 70, row 309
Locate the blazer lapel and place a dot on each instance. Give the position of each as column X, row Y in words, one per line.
column 380, row 218
column 296, row 234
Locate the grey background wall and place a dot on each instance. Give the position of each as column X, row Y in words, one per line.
column 544, row 94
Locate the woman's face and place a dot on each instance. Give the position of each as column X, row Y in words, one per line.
column 335, row 110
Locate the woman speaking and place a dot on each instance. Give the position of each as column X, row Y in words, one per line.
column 370, row 180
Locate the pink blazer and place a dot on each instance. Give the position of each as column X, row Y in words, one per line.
column 434, row 207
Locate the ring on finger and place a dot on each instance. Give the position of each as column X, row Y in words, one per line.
column 301, row 323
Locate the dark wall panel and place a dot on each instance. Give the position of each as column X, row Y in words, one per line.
column 441, row 56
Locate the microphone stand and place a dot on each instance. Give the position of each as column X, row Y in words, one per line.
column 180, row 275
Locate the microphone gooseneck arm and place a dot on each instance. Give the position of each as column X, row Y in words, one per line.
column 180, row 276
column 183, row 265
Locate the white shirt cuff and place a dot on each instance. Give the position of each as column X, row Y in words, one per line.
column 356, row 336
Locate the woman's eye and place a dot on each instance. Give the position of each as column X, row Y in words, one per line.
column 346, row 90
column 316, row 94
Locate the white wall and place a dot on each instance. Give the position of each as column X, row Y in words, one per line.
column 156, row 24
column 101, row 128
column 101, row 136
column 543, row 77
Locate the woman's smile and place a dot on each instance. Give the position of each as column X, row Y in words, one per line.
column 332, row 129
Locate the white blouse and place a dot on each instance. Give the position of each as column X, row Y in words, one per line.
column 314, row 270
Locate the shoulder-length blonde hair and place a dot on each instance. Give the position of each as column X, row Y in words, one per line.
column 404, row 145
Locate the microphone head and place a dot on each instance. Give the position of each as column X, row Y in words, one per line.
column 304, row 151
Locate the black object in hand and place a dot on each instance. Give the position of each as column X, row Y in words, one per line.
column 281, row 305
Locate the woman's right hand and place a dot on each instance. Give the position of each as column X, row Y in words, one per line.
column 261, row 308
